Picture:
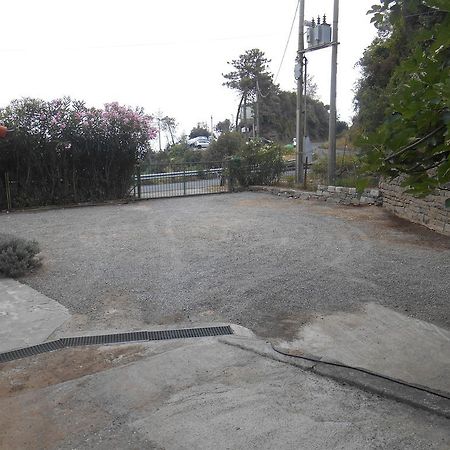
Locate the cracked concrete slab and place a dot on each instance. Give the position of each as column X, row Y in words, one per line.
column 26, row 316
column 383, row 341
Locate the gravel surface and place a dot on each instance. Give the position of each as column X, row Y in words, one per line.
column 265, row 262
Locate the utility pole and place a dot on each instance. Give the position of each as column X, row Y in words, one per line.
column 159, row 133
column 257, row 108
column 304, row 98
column 245, row 114
column 332, row 126
column 300, row 118
column 212, row 129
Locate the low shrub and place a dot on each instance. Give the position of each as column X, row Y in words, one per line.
column 18, row 256
column 349, row 172
column 257, row 163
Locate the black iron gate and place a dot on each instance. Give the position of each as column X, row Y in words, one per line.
column 178, row 180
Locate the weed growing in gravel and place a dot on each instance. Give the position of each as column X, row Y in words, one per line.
column 18, row 256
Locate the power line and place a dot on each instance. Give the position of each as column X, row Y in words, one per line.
column 288, row 40
column 138, row 44
column 259, row 90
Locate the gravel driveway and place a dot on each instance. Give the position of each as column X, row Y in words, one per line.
column 265, row 262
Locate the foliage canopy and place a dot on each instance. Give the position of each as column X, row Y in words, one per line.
column 403, row 97
column 252, row 79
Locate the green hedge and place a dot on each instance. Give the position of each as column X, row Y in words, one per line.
column 64, row 152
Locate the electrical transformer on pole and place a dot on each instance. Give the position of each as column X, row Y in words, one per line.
column 318, row 37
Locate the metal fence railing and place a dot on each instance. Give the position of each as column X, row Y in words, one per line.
column 289, row 172
column 178, row 180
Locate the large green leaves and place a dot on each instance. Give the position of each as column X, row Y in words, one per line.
column 414, row 136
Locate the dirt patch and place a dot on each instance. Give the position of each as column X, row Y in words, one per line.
column 62, row 365
column 109, row 311
column 384, row 225
column 284, row 327
column 387, row 227
column 263, row 202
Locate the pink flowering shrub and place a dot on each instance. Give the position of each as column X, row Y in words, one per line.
column 62, row 151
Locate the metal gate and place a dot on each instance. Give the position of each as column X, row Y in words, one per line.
column 178, row 180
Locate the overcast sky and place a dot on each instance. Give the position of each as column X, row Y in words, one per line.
column 166, row 55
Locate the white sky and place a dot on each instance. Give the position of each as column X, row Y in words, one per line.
column 166, row 55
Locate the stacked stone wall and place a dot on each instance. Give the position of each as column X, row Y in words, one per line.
column 432, row 211
column 332, row 194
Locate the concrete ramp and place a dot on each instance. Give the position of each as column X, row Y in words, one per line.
column 383, row 341
column 26, row 316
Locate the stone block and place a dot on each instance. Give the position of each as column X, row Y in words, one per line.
column 331, row 189
column 365, row 200
column 436, row 225
column 374, row 193
column 332, row 200
column 339, row 189
column 352, row 190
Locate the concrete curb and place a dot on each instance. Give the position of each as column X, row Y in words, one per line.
column 263, row 348
column 413, row 396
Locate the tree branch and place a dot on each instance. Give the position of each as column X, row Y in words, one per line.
column 414, row 144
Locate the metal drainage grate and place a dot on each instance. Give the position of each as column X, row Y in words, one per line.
column 189, row 333
column 105, row 339
column 31, row 351
column 118, row 338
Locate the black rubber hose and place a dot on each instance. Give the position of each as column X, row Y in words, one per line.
column 360, row 369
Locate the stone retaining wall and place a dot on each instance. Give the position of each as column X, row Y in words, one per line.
column 331, row 194
column 432, row 211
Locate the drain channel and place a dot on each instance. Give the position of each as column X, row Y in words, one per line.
column 118, row 338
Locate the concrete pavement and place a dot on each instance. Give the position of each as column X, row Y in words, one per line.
column 198, row 394
column 26, row 316
column 383, row 341
column 225, row 393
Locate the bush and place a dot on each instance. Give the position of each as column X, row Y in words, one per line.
column 17, row 256
column 61, row 151
column 349, row 172
column 257, row 163
column 347, row 165
column 226, row 145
